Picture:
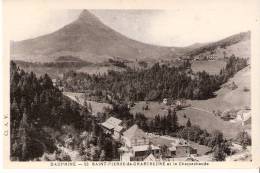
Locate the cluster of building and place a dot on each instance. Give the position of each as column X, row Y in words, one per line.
column 206, row 57
column 243, row 116
column 176, row 104
column 138, row 146
column 199, row 58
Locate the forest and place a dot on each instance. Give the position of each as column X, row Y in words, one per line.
column 40, row 115
column 153, row 84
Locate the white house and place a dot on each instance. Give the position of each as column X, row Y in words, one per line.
column 165, row 101
column 54, row 82
column 244, row 116
column 136, row 145
column 211, row 57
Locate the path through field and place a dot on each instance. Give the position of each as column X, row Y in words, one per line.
column 79, row 98
column 200, row 109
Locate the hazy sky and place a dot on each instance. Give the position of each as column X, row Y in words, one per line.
column 181, row 26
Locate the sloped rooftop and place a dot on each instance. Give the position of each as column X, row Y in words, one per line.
column 150, row 158
column 134, row 132
column 113, row 123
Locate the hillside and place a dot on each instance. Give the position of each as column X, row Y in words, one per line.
column 238, row 44
column 200, row 112
column 225, row 99
column 89, row 39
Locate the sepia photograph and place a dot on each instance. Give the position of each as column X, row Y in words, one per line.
column 148, row 85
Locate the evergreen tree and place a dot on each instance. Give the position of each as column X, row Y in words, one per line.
column 217, row 138
column 188, row 124
column 47, row 82
column 108, row 148
column 15, row 150
column 24, row 137
column 244, row 139
column 15, row 112
column 94, row 128
column 175, row 123
column 85, row 117
column 23, row 104
column 219, row 154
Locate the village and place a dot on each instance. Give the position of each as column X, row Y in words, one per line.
column 138, row 145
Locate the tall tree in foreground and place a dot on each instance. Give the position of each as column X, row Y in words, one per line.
column 219, row 154
column 24, row 137
column 188, row 124
column 244, row 139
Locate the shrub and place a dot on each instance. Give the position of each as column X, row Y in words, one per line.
column 246, row 89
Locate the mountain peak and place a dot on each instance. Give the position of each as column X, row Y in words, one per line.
column 87, row 16
column 89, row 39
